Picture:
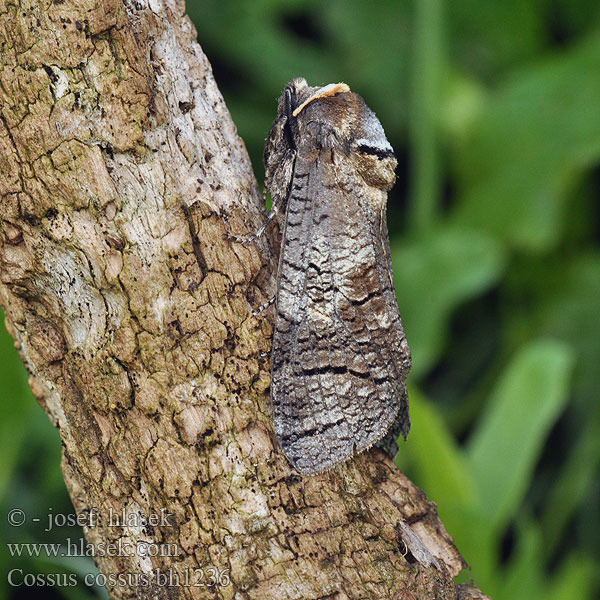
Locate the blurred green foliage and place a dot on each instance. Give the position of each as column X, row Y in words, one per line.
column 494, row 111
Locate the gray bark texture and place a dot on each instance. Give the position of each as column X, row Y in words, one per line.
column 121, row 176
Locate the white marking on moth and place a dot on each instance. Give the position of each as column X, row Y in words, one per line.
column 379, row 144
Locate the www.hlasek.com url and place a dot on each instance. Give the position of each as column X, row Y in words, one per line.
column 121, row 547
column 209, row 577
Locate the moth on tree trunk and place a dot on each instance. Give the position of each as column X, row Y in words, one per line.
column 340, row 357
column 122, row 179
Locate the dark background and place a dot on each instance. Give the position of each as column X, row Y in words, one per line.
column 493, row 108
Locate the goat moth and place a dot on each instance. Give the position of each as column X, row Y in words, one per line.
column 340, row 358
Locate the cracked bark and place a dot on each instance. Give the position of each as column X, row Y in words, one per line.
column 121, row 177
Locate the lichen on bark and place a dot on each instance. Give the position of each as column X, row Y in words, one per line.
column 122, row 179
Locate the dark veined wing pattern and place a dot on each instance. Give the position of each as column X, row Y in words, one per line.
column 340, row 357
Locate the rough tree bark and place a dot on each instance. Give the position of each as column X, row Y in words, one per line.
column 121, row 176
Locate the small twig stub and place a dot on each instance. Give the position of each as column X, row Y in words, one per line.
column 416, row 551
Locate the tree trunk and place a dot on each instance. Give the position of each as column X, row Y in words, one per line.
column 121, row 177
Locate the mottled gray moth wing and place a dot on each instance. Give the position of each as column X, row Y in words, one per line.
column 340, row 357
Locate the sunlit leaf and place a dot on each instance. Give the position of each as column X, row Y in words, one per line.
column 16, row 404
column 434, row 274
column 577, row 578
column 526, row 402
column 528, row 147
column 523, row 578
column 442, row 467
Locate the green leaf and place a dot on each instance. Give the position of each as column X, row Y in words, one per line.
column 77, row 567
column 576, row 578
column 482, row 46
column 526, row 402
column 567, row 307
column 443, row 471
column 528, row 147
column 434, row 274
column 563, row 301
column 523, row 578
column 576, row 477
column 15, row 407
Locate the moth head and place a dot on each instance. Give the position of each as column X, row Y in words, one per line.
column 310, row 119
